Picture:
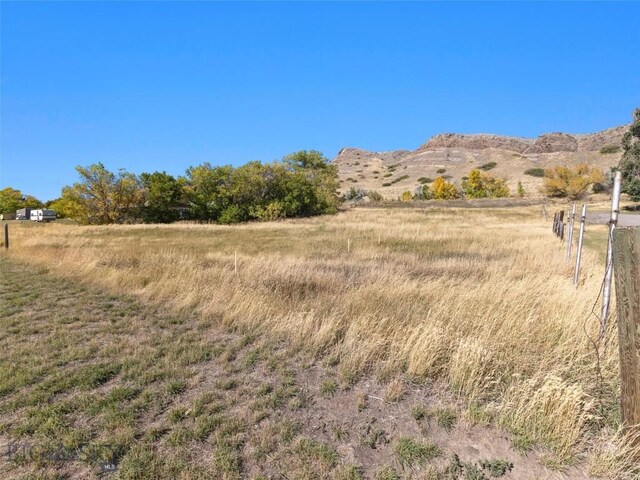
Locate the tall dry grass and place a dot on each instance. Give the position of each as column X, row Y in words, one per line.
column 480, row 299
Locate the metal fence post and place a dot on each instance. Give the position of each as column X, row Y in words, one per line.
column 576, row 272
column 606, row 292
column 6, row 236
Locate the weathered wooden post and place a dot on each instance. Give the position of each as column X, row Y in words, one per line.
column 6, row 236
column 608, row 272
column 572, row 219
column 555, row 223
column 576, row 271
column 561, row 224
column 544, row 212
column 626, row 260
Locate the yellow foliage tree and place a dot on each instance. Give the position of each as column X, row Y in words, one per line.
column 484, row 185
column 572, row 182
column 443, row 190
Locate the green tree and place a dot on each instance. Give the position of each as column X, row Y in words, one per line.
column 207, row 190
column 322, row 175
column 12, row 200
column 630, row 162
column 163, row 196
column 102, row 197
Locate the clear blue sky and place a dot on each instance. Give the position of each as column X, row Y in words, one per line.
column 161, row 86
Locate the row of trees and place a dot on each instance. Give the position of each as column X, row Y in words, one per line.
column 12, row 200
column 477, row 184
column 302, row 184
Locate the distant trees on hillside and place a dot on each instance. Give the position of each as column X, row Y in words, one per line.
column 302, row 184
column 630, row 162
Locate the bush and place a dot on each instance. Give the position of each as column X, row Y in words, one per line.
column 535, row 172
column 374, row 196
column 355, row 194
column 488, row 166
column 441, row 170
column 424, row 180
column 599, row 187
column 483, row 185
column 608, row 149
column 406, row 196
column 399, row 179
column 571, row 182
column 521, row 191
column 443, row 190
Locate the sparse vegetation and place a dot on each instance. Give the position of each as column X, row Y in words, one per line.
column 414, row 452
column 297, row 282
column 488, row 166
column 440, row 171
column 535, row 172
column 609, row 149
column 424, row 180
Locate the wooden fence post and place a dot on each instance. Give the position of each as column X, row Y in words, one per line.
column 561, row 224
column 626, row 260
column 576, row 271
column 572, row 219
column 555, row 223
column 6, row 236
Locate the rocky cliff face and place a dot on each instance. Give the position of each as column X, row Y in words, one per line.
column 454, row 155
column 547, row 143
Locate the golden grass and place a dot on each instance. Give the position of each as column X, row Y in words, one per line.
column 480, row 298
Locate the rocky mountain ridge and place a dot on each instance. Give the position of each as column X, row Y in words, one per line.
column 454, row 155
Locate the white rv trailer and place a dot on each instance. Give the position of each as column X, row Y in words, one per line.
column 43, row 215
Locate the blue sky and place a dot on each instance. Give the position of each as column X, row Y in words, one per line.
column 160, row 85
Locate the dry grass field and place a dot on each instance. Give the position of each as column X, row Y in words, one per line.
column 475, row 306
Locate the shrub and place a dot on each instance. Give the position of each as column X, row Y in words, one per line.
column 488, row 166
column 441, row 170
column 599, row 187
column 535, row 172
column 483, row 185
column 608, row 149
column 521, row 191
column 374, row 196
column 399, row 179
column 387, row 175
column 572, row 182
column 406, row 196
column 424, row 180
column 443, row 190
column 386, row 184
column 355, row 194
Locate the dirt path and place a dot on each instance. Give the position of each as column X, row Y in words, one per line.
column 106, row 382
